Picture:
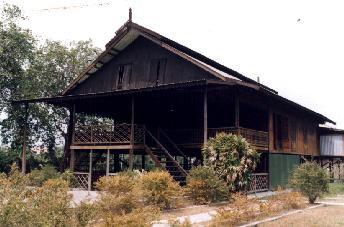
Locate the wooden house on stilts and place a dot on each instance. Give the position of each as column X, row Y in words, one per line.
column 165, row 100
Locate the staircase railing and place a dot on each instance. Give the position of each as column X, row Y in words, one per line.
column 165, row 152
column 174, row 145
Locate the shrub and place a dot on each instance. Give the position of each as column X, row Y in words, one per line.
column 159, row 188
column 310, row 179
column 141, row 217
column 241, row 210
column 121, row 202
column 232, row 158
column 288, row 200
column 21, row 205
column 38, row 176
column 119, row 194
column 204, row 186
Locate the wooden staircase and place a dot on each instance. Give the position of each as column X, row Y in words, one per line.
column 163, row 159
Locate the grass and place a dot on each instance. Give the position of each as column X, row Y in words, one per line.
column 335, row 189
column 322, row 216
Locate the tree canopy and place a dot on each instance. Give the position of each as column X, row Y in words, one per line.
column 31, row 68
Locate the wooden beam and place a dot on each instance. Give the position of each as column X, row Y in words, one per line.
column 105, row 147
column 90, row 171
column 132, row 134
column 205, row 116
column 24, row 139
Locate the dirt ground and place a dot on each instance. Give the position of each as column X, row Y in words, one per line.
column 322, row 216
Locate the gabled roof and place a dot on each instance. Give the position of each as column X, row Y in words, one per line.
column 130, row 31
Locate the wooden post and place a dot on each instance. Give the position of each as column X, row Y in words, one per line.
column 132, row 134
column 271, row 130
column 237, row 110
column 143, row 161
column 72, row 160
column 108, row 162
column 71, row 137
column 90, row 171
column 116, row 164
column 205, row 116
column 24, row 139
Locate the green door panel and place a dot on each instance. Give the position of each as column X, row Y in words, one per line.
column 280, row 166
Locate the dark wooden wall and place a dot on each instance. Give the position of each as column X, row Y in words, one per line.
column 141, row 55
column 303, row 136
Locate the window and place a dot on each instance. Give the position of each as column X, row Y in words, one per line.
column 123, row 76
column 305, row 135
column 281, row 132
column 293, row 134
column 157, row 71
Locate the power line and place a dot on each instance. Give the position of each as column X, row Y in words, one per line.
column 72, row 7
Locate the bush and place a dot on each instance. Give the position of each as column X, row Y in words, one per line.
column 38, row 176
column 310, row 179
column 48, row 205
column 159, row 188
column 121, row 202
column 119, row 194
column 243, row 209
column 232, row 158
column 204, row 186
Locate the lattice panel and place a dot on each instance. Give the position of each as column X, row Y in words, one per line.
column 107, row 134
column 81, row 180
column 259, row 182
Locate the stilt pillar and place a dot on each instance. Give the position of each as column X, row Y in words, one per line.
column 24, row 139
column 108, row 162
column 132, row 134
column 90, row 171
column 205, row 116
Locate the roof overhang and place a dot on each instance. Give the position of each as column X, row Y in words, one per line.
column 68, row 100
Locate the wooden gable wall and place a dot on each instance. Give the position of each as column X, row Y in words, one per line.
column 302, row 136
column 141, row 59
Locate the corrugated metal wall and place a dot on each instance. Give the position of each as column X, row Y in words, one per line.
column 280, row 166
column 332, row 145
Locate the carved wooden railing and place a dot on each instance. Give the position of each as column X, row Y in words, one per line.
column 258, row 139
column 107, row 134
column 259, row 182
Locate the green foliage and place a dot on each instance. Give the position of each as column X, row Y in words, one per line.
column 232, row 158
column 310, row 179
column 29, row 70
column 204, row 186
column 37, row 177
column 21, row 205
column 336, row 188
column 160, row 189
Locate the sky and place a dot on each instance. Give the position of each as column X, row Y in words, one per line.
column 294, row 47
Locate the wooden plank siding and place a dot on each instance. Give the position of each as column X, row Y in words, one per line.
column 303, row 136
column 142, row 57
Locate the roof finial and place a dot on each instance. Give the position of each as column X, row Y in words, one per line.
column 130, row 14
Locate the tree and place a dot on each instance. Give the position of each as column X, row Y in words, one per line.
column 29, row 70
column 232, row 158
column 310, row 179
